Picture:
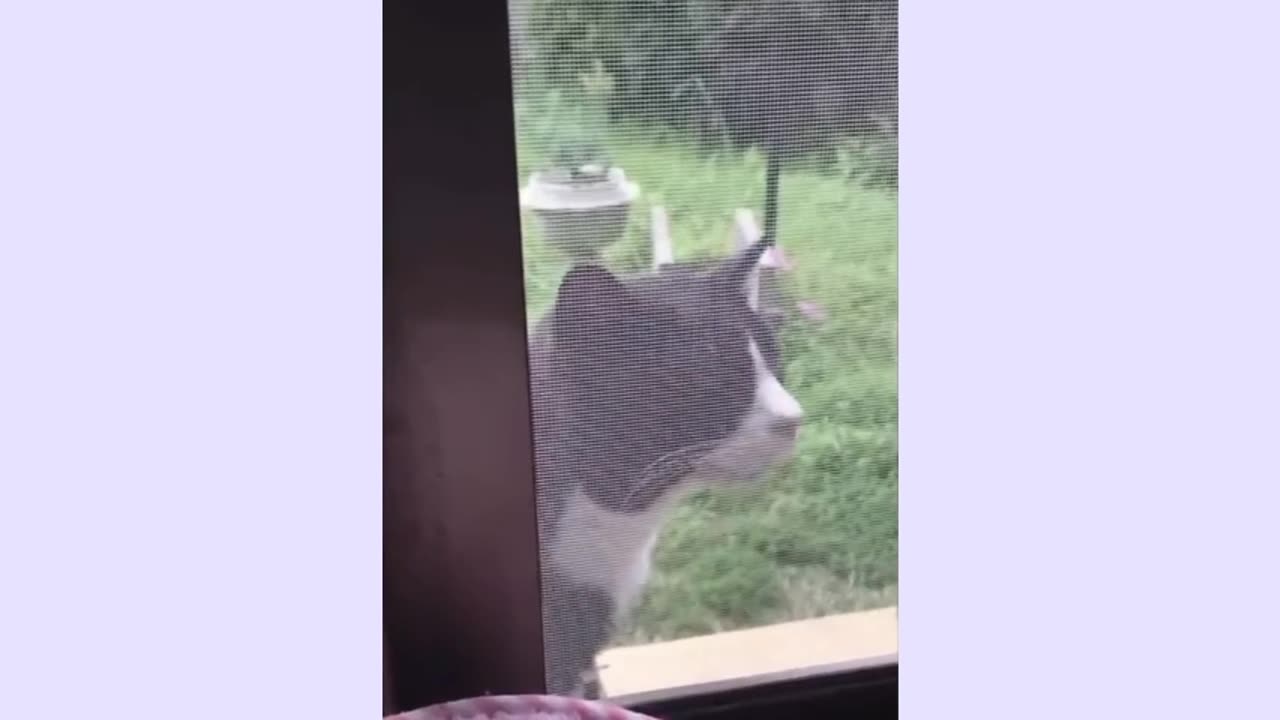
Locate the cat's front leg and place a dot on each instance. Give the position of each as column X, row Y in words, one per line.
column 591, row 689
column 578, row 624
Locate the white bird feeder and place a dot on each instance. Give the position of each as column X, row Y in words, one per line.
column 581, row 210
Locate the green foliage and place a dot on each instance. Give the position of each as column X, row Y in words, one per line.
column 724, row 70
column 820, row 535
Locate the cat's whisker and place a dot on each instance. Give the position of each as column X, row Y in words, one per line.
column 653, row 471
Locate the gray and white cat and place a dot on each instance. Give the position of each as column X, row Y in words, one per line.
column 644, row 389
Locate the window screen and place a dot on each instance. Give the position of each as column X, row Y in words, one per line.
column 709, row 211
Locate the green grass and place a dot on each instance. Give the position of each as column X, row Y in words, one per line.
column 820, row 536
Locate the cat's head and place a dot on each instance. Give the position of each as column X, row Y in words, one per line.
column 668, row 377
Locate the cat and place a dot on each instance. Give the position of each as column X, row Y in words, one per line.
column 644, row 389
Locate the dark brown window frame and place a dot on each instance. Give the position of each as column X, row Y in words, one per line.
column 461, row 595
column 460, row 561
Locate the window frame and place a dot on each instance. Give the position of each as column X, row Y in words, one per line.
column 458, row 484
column 461, row 593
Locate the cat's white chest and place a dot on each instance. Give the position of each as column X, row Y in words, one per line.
column 608, row 550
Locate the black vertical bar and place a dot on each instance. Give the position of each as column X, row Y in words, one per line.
column 772, row 171
column 460, row 569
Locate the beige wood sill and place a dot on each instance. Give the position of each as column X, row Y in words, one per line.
column 740, row 654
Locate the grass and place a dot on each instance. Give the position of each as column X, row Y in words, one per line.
column 820, row 536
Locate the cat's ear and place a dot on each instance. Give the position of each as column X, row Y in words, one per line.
column 739, row 269
column 589, row 297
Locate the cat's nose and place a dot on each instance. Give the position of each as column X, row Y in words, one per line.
column 786, row 425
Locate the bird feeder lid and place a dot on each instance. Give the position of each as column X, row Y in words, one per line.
column 583, row 188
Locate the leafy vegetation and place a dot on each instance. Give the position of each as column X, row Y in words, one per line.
column 721, row 68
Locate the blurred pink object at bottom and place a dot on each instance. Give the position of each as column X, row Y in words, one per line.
column 521, row 707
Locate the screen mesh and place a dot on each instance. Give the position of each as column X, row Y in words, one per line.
column 709, row 198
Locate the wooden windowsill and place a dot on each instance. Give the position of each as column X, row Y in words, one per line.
column 764, row 651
